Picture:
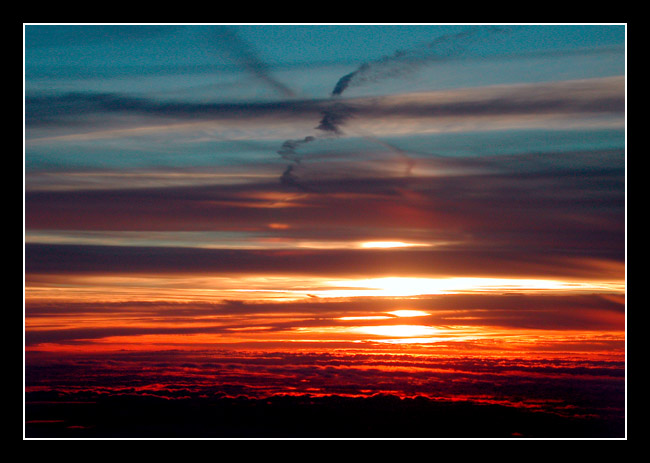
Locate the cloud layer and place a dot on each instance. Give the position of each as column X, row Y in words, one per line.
column 304, row 219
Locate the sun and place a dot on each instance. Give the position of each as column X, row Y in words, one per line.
column 388, row 244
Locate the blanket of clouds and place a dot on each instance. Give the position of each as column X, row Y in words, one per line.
column 222, row 201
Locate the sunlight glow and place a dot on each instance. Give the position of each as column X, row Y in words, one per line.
column 399, row 331
column 397, row 286
column 409, row 313
column 200, row 287
column 388, row 244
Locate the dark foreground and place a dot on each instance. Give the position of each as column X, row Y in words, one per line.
column 384, row 416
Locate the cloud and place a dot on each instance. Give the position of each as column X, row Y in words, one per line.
column 335, row 115
column 61, row 108
column 559, row 104
column 290, row 179
column 512, row 202
column 485, row 310
column 401, row 62
column 471, row 261
column 498, row 396
column 289, row 147
column 503, row 106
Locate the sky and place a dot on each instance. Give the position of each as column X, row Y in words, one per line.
column 258, row 210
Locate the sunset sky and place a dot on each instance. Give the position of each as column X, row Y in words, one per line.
column 267, row 210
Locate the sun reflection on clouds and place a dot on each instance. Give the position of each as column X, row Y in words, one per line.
column 389, row 244
column 393, row 314
column 291, row 288
column 399, row 331
column 409, row 313
column 405, row 286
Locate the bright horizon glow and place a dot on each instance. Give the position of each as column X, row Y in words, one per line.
column 200, row 287
column 409, row 313
column 388, row 244
column 404, row 286
column 205, row 239
column 398, row 331
column 394, row 313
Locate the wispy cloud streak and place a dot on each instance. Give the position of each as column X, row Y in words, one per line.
column 401, row 62
column 585, row 96
column 227, row 39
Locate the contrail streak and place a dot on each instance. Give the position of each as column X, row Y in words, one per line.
column 288, row 178
column 448, row 46
column 401, row 62
column 288, row 150
column 241, row 52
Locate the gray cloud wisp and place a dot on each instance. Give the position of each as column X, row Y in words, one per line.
column 448, row 46
column 244, row 55
column 399, row 63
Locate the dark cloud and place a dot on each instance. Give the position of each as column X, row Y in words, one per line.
column 289, row 147
column 337, row 113
column 61, row 108
column 537, row 311
column 446, row 47
column 466, row 44
column 534, row 205
column 401, row 62
column 33, row 337
column 574, row 98
column 334, row 116
column 348, row 394
column 500, row 106
column 504, row 262
column 290, row 179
